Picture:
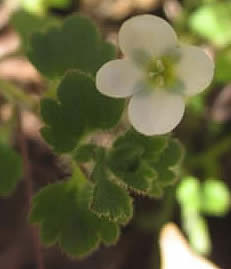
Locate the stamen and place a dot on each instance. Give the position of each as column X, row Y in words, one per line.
column 160, row 72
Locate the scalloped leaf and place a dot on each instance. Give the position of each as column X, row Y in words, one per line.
column 109, row 199
column 156, row 190
column 169, row 162
column 79, row 39
column 62, row 210
column 80, row 109
column 145, row 164
column 26, row 24
column 152, row 146
column 130, row 157
column 10, row 169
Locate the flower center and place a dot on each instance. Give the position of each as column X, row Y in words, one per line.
column 160, row 72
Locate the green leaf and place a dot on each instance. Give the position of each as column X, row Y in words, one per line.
column 127, row 165
column 110, row 232
column 58, row 130
column 62, row 210
column 61, row 141
column 10, row 169
column 109, row 199
column 26, row 24
column 145, row 164
column 167, row 168
column 75, row 45
column 223, row 66
column 215, row 197
column 151, row 147
column 80, row 109
column 85, row 153
column 168, row 165
column 156, row 190
column 130, row 157
column 212, row 21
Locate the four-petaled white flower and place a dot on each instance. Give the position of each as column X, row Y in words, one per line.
column 157, row 72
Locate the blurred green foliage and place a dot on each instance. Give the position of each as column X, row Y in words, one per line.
column 42, row 6
column 212, row 21
column 211, row 197
column 223, row 65
column 215, row 198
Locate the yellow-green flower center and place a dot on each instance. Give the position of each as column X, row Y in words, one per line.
column 160, row 72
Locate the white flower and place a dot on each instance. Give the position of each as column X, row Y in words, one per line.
column 157, row 72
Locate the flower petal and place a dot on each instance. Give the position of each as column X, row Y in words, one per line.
column 195, row 69
column 155, row 112
column 118, row 78
column 146, row 34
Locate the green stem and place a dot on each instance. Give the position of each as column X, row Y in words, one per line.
column 16, row 95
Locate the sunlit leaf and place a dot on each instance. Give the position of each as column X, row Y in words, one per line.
column 212, row 21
